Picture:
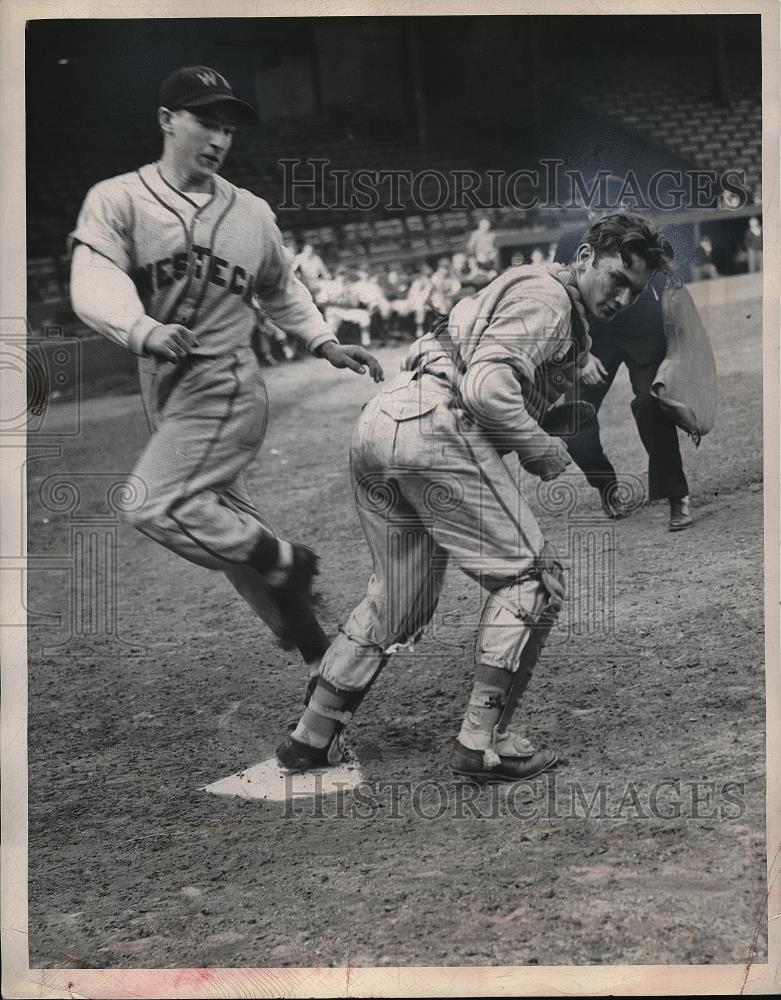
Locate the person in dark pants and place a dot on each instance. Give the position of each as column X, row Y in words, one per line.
column 634, row 338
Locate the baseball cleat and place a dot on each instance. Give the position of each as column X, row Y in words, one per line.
column 295, row 756
column 295, row 599
column 489, row 767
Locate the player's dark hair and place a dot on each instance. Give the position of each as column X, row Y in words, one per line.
column 630, row 235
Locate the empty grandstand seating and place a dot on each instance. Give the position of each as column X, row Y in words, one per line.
column 677, row 113
column 681, row 114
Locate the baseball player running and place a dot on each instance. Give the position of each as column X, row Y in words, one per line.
column 167, row 261
column 430, row 485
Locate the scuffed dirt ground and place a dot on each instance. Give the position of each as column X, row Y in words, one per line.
column 645, row 846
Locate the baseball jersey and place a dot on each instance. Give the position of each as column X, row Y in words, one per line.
column 199, row 264
column 512, row 339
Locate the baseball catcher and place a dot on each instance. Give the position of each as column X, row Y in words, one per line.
column 431, row 486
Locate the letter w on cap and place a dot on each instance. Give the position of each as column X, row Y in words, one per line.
column 210, row 79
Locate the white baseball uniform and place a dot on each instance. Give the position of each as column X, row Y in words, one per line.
column 196, row 260
column 430, row 483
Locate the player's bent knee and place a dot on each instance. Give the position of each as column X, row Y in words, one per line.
column 150, row 519
column 140, row 519
column 350, row 665
column 500, row 635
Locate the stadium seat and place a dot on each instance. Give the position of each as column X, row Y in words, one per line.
column 456, row 221
column 389, row 228
column 415, row 224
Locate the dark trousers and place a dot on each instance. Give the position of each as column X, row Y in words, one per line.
column 666, row 479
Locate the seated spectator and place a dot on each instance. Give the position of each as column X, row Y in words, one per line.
column 537, row 257
column 372, row 298
column 479, row 277
column 487, row 274
column 445, row 287
column 310, row 268
column 701, row 265
column 482, row 245
column 471, row 276
column 394, row 283
column 395, row 286
column 518, row 259
column 460, row 266
column 343, row 304
column 552, row 252
column 752, row 241
column 268, row 341
column 419, row 297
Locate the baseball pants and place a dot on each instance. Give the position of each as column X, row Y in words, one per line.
column 208, row 419
column 430, row 488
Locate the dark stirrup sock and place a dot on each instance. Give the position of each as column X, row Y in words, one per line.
column 265, row 555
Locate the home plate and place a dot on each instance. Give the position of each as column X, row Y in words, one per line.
column 269, row 781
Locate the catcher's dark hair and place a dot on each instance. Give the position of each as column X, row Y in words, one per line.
column 628, row 235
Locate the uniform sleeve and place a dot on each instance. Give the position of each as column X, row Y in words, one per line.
column 104, row 223
column 523, row 333
column 105, row 298
column 286, row 299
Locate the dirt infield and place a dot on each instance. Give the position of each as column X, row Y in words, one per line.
column 645, row 846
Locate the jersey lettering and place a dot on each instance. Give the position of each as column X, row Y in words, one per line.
column 180, row 264
column 216, row 265
column 213, row 282
column 200, row 253
column 163, row 273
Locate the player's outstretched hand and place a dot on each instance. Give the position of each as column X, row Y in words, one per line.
column 593, row 371
column 170, row 341
column 357, row 359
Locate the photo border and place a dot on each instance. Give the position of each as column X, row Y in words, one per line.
column 627, row 980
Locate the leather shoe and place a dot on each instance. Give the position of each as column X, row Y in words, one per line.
column 488, row 767
column 680, row 517
column 614, row 508
column 295, row 756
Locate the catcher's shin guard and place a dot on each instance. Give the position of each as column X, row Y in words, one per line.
column 352, row 699
column 327, row 711
column 550, row 572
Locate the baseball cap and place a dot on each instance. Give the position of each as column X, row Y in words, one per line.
column 201, row 86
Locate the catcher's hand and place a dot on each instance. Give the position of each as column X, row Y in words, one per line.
column 353, row 357
column 567, row 419
column 548, row 466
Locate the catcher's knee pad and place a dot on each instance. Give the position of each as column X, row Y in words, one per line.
column 350, row 664
column 515, row 613
column 503, row 627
